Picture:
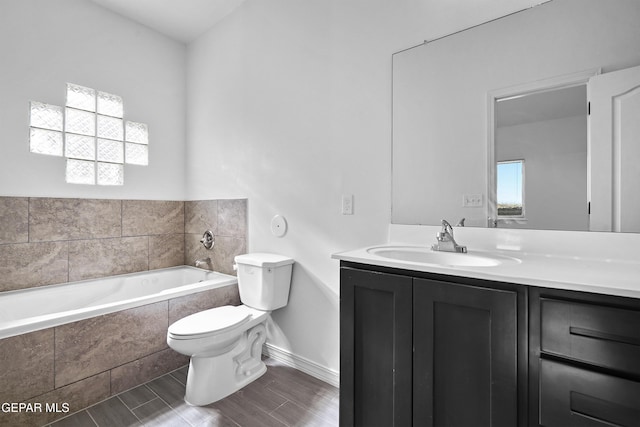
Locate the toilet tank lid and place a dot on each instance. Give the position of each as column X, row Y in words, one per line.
column 262, row 259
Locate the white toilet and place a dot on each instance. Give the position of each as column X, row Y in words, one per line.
column 225, row 343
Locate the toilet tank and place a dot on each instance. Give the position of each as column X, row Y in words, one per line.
column 264, row 280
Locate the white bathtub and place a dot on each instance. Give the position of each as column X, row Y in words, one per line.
column 43, row 307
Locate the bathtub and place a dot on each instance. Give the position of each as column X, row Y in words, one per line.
column 32, row 309
column 78, row 343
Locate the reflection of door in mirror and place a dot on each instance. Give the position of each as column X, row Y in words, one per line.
column 614, row 145
column 546, row 130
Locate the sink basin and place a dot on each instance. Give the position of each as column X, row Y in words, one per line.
column 424, row 255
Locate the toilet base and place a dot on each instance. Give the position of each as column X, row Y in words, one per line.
column 213, row 378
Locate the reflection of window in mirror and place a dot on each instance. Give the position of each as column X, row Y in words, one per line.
column 510, row 188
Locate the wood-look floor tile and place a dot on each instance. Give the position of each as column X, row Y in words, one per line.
column 246, row 414
column 218, row 420
column 293, row 414
column 282, row 397
column 181, row 374
column 156, row 413
column 137, row 396
column 300, row 392
column 111, row 413
column 168, row 389
column 257, row 395
column 80, row 419
column 171, row 391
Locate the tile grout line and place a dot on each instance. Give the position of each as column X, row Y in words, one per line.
column 171, row 408
column 280, row 406
column 91, row 416
column 129, row 409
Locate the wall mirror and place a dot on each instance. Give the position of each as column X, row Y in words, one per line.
column 491, row 124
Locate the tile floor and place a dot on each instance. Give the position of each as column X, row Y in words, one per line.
column 283, row 396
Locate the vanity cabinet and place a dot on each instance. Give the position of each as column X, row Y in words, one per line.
column 425, row 349
column 584, row 364
column 375, row 348
column 465, row 355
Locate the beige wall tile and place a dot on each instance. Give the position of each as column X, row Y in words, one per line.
column 225, row 251
column 101, row 343
column 78, row 395
column 222, row 254
column 14, row 220
column 193, row 249
column 145, row 369
column 26, row 366
column 152, row 217
column 69, row 219
column 232, row 217
column 106, row 257
column 200, row 216
column 25, row 265
column 166, row 251
column 189, row 304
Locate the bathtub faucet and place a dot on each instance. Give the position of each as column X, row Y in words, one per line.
column 201, row 261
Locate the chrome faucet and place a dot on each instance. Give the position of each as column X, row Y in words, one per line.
column 201, row 261
column 446, row 242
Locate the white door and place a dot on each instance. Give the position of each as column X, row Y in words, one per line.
column 614, row 151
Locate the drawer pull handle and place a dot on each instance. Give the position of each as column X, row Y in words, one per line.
column 604, row 336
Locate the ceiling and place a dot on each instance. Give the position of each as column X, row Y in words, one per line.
column 185, row 20
column 182, row 20
column 541, row 106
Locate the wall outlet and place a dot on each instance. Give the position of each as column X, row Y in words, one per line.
column 472, row 201
column 347, row 204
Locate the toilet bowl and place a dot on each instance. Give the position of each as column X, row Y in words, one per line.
column 225, row 343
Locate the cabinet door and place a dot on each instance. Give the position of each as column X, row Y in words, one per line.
column 465, row 355
column 375, row 349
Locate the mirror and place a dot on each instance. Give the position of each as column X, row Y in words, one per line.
column 513, row 89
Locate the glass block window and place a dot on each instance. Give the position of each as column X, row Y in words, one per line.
column 45, row 116
column 80, row 147
column 44, row 141
column 79, row 122
column 82, row 98
column 81, row 172
column 110, row 127
column 110, row 174
column 110, row 151
column 110, row 105
column 137, row 132
column 136, row 154
column 91, row 133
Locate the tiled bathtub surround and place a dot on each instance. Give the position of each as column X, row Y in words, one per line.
column 85, row 362
column 228, row 221
column 51, row 240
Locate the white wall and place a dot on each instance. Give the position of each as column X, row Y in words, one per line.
column 289, row 104
column 46, row 43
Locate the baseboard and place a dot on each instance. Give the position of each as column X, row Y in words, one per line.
column 302, row 364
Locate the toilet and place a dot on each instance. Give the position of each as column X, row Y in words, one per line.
column 225, row 343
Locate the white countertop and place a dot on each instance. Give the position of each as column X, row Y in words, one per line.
column 588, row 264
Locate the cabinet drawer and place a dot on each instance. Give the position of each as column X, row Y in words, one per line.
column 571, row 396
column 603, row 336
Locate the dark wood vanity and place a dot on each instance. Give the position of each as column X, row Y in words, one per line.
column 425, row 349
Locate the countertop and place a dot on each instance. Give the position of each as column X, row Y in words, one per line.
column 597, row 274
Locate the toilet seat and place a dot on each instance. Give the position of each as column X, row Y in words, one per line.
column 209, row 322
